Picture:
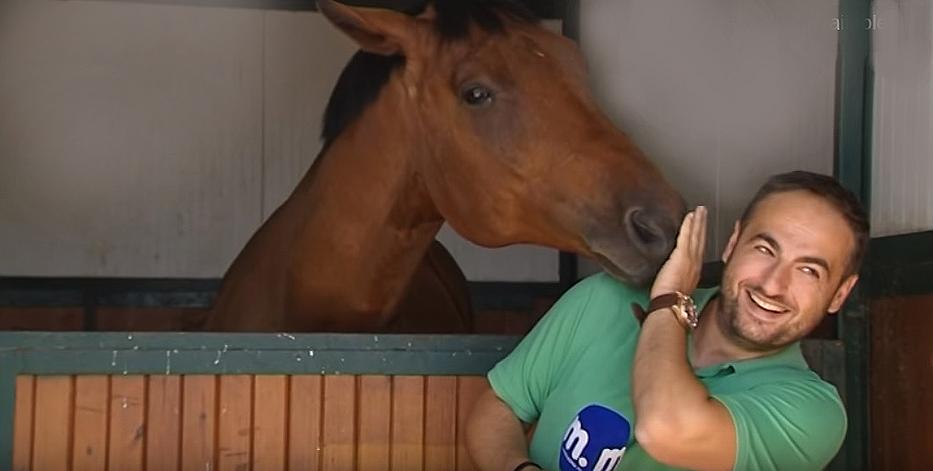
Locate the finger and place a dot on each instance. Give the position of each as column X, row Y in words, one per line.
column 689, row 245
column 686, row 229
column 700, row 230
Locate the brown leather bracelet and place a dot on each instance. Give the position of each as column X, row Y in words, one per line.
column 661, row 302
column 665, row 300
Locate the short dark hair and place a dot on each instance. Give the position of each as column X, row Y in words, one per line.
column 833, row 192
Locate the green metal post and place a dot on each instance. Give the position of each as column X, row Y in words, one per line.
column 854, row 92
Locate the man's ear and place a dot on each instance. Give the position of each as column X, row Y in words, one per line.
column 733, row 239
column 842, row 293
column 376, row 30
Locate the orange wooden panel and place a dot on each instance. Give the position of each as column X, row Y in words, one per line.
column 235, row 422
column 22, row 422
column 440, row 422
column 53, row 423
column 163, row 423
column 337, row 436
column 198, row 422
column 407, row 422
column 469, row 389
column 269, row 404
column 92, row 395
column 127, row 426
column 372, row 451
column 304, row 424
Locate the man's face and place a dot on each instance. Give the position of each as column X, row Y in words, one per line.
column 785, row 269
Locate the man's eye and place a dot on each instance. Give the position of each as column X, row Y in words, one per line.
column 811, row 272
column 763, row 249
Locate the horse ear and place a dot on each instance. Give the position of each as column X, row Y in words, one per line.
column 376, row 30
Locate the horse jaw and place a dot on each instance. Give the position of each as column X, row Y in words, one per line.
column 638, row 274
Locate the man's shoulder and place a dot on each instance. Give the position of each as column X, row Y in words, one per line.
column 797, row 422
column 597, row 302
column 796, row 391
column 605, row 286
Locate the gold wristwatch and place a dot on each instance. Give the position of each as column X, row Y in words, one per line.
column 681, row 305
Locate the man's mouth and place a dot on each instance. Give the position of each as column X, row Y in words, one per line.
column 766, row 305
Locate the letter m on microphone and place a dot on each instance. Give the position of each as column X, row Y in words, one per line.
column 595, row 440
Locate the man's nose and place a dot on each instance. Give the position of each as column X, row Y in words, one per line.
column 776, row 281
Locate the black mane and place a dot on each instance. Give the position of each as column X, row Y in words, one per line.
column 365, row 75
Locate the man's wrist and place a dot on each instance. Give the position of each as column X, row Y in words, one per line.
column 664, row 316
column 661, row 291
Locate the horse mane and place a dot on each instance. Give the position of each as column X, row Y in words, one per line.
column 366, row 74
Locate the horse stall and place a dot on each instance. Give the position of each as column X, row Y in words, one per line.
column 144, row 144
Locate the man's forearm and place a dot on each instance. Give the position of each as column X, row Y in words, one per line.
column 664, row 387
column 495, row 437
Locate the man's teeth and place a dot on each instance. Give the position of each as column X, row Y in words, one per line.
column 765, row 304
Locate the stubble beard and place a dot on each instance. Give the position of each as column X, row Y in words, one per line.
column 743, row 334
column 732, row 328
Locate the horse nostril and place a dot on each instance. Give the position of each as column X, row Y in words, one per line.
column 647, row 232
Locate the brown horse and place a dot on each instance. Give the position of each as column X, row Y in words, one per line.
column 468, row 112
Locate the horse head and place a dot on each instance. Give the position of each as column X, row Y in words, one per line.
column 515, row 148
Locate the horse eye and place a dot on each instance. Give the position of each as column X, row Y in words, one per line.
column 477, row 95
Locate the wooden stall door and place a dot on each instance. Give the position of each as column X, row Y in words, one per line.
column 243, row 422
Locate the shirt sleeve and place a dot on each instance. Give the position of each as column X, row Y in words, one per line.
column 526, row 376
column 794, row 425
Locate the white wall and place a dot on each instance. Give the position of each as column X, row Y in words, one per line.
column 902, row 137
column 128, row 137
column 720, row 94
column 152, row 140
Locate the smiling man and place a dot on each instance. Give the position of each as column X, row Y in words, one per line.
column 701, row 379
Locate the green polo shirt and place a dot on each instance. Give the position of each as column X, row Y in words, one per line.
column 571, row 375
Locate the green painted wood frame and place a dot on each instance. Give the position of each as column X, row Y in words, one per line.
column 854, row 94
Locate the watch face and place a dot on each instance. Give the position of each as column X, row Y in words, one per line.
column 688, row 311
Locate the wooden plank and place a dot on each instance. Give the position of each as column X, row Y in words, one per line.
column 92, row 395
column 148, row 319
column 198, row 422
column 338, row 434
column 269, row 432
column 53, row 423
column 41, row 318
column 127, row 422
column 23, row 422
column 440, row 422
column 163, row 423
column 469, row 388
column 407, row 422
column 235, row 422
column 304, row 424
column 902, row 383
column 372, row 452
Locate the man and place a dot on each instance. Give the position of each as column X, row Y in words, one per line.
column 606, row 391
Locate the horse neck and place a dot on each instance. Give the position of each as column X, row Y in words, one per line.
column 368, row 220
